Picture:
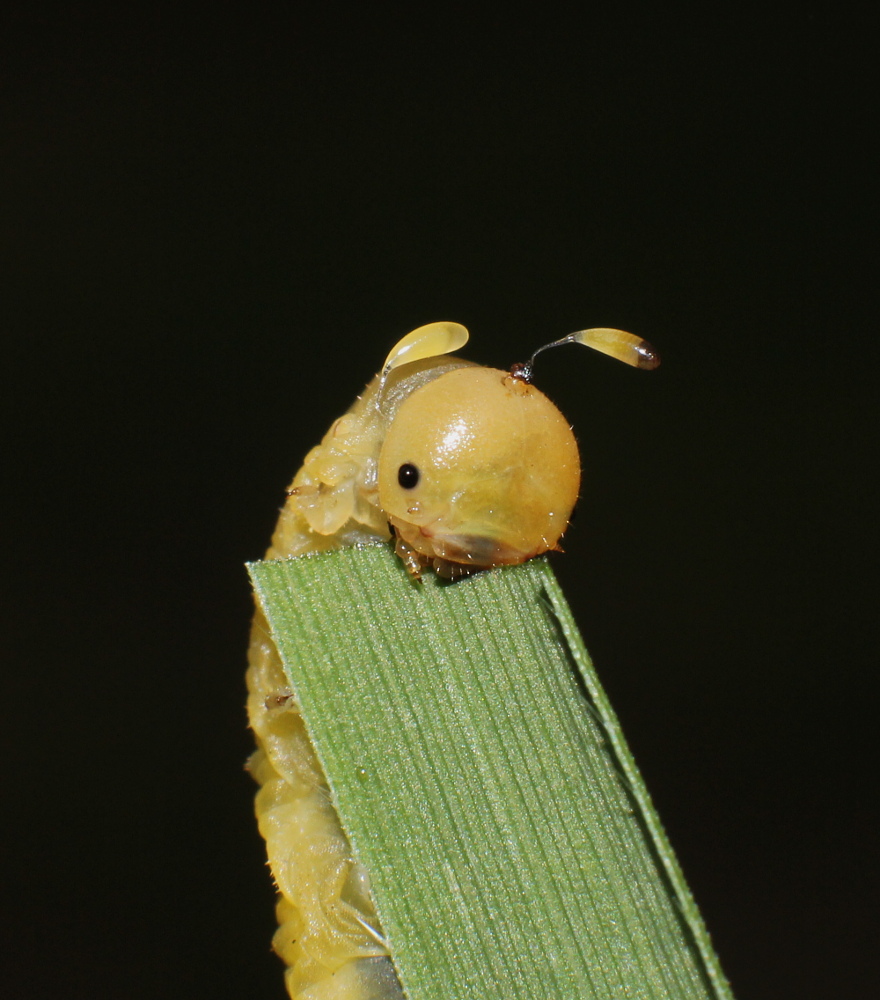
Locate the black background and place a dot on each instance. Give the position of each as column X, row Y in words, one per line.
column 214, row 226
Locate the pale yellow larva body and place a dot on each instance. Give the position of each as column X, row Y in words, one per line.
column 473, row 467
column 329, row 934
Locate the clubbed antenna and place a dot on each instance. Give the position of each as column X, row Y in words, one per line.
column 626, row 347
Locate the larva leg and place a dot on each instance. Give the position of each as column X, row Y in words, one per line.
column 329, row 932
column 410, row 558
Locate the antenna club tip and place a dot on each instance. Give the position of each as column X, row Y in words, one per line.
column 649, row 358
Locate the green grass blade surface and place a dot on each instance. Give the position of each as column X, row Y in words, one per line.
column 484, row 782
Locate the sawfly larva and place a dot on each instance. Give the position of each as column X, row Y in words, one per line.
column 468, row 468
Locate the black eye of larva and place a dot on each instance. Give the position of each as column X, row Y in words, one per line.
column 408, row 476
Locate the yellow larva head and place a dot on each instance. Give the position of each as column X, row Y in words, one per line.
column 478, row 468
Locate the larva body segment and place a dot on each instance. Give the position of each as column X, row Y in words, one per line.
column 329, row 933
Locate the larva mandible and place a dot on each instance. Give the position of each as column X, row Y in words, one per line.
column 469, row 468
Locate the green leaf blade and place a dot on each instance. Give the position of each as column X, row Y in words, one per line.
column 504, row 833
